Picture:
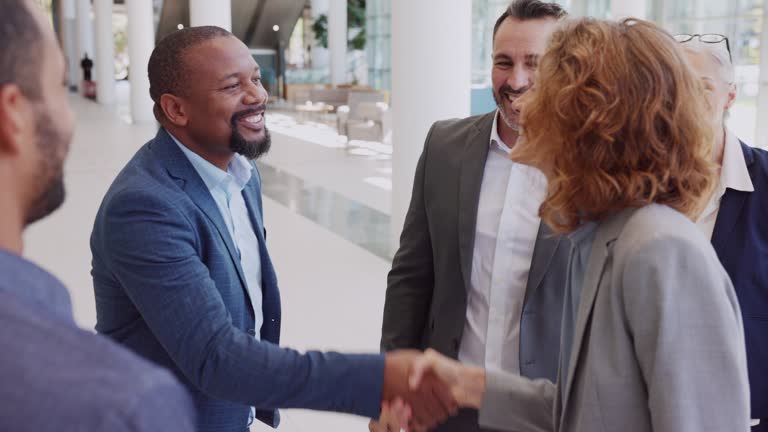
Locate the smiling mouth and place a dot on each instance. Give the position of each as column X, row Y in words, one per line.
column 511, row 99
column 253, row 121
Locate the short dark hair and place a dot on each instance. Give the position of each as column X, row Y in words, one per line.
column 524, row 10
column 167, row 65
column 20, row 48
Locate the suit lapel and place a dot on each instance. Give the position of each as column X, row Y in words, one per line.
column 546, row 244
column 730, row 208
column 606, row 233
column 727, row 216
column 180, row 167
column 470, row 179
column 271, row 309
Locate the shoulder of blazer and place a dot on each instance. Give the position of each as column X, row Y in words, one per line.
column 455, row 131
column 756, row 159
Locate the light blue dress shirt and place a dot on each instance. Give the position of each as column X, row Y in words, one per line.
column 227, row 190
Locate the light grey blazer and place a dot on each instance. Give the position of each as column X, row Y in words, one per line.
column 658, row 343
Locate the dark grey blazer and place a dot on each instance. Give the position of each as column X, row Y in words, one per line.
column 427, row 287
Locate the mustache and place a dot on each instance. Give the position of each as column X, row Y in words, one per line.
column 506, row 89
column 248, row 112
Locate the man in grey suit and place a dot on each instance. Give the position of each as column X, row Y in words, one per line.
column 477, row 276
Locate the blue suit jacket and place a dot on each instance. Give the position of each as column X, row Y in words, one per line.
column 740, row 239
column 169, row 286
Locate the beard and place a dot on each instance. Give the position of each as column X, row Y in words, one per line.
column 500, row 97
column 51, row 144
column 250, row 149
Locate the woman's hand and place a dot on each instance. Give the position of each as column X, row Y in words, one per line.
column 394, row 417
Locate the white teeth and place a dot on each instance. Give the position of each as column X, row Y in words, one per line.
column 510, row 98
column 255, row 119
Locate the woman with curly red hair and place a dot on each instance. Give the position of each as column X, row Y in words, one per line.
column 652, row 337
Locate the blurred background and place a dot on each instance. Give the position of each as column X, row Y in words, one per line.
column 354, row 87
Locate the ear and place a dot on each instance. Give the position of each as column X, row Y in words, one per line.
column 16, row 118
column 174, row 110
column 732, row 93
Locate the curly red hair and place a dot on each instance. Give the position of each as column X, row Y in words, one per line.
column 616, row 120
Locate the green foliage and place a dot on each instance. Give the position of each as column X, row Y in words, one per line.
column 355, row 20
column 320, row 28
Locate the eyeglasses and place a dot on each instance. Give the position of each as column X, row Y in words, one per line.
column 710, row 38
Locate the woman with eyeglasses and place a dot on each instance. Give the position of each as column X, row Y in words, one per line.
column 652, row 337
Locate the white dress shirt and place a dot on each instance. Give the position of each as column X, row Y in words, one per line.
column 226, row 188
column 505, row 235
column 733, row 175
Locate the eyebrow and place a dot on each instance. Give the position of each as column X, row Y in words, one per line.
column 528, row 57
column 237, row 74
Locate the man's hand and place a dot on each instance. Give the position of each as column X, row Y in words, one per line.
column 431, row 401
column 466, row 383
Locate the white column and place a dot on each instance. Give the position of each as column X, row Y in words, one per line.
column 422, row 91
column 69, row 40
column 628, row 8
column 319, row 54
column 207, row 12
column 761, row 131
column 105, row 52
column 84, row 30
column 141, row 41
column 337, row 41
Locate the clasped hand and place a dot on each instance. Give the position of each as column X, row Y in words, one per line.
column 422, row 390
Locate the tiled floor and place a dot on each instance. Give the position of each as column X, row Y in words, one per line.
column 327, row 246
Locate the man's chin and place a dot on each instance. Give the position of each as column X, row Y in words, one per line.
column 512, row 121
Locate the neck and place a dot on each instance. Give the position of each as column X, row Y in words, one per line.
column 507, row 134
column 219, row 159
column 11, row 224
column 719, row 150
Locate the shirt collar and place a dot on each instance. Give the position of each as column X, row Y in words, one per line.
column 239, row 169
column 734, row 173
column 32, row 284
column 496, row 141
column 582, row 233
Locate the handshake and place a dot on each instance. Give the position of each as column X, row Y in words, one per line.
column 422, row 390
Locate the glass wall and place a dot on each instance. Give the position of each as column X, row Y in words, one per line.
column 378, row 43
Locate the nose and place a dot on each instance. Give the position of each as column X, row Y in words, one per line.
column 255, row 94
column 519, row 79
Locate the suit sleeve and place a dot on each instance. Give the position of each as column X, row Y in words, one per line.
column 686, row 327
column 163, row 406
column 152, row 249
column 411, row 279
column 515, row 403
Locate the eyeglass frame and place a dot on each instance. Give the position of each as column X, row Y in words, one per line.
column 699, row 35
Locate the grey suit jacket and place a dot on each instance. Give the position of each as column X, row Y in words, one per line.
column 427, row 287
column 658, row 343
